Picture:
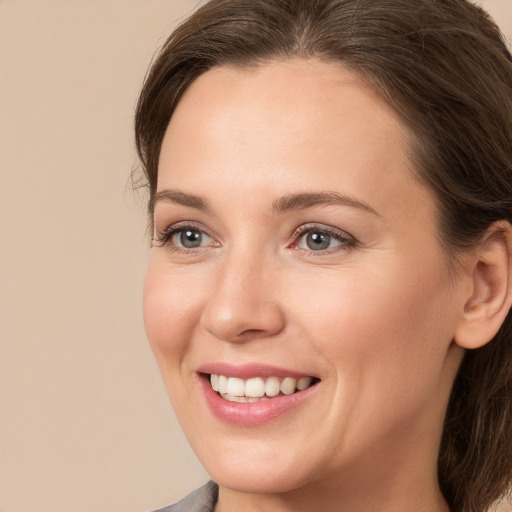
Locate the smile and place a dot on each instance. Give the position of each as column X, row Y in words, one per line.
column 254, row 393
column 257, row 389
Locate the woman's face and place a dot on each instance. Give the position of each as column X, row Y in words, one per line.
column 294, row 242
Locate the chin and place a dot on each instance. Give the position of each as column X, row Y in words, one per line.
column 258, row 481
column 258, row 470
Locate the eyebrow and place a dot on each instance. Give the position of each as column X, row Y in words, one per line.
column 306, row 200
column 288, row 202
column 177, row 197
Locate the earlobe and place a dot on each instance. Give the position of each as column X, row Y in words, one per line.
column 490, row 300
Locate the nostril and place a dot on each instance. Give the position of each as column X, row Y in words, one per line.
column 243, row 326
column 251, row 333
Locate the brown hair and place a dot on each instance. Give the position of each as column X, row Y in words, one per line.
column 445, row 69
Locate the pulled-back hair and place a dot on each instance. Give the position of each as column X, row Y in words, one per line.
column 444, row 68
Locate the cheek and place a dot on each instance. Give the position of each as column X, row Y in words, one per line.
column 169, row 314
column 392, row 325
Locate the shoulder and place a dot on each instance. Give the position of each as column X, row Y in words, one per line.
column 203, row 499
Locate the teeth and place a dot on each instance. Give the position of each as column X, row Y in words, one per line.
column 223, row 384
column 256, row 389
column 242, row 399
column 214, row 380
column 288, row 386
column 234, row 398
column 302, row 383
column 236, row 387
column 272, row 386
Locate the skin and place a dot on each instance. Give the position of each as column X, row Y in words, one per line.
column 374, row 318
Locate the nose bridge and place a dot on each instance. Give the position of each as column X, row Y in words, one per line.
column 243, row 304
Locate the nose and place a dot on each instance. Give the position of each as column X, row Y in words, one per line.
column 243, row 304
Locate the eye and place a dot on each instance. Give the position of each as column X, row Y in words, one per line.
column 317, row 241
column 183, row 238
column 322, row 239
column 190, row 238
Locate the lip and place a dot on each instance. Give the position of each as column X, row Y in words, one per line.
column 247, row 371
column 253, row 413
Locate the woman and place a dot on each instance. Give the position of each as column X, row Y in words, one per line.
column 330, row 281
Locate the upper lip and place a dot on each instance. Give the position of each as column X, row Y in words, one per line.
column 249, row 370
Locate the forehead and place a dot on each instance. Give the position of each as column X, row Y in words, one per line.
column 287, row 98
column 250, row 136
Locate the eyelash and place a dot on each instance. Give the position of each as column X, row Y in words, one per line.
column 347, row 241
column 163, row 238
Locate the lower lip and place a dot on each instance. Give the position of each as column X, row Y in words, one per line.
column 253, row 413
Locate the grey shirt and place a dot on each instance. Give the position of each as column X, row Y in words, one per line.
column 203, row 499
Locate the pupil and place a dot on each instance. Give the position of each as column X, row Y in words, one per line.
column 317, row 241
column 190, row 238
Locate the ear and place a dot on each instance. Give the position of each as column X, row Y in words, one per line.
column 490, row 297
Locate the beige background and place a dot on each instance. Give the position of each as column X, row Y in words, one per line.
column 85, row 424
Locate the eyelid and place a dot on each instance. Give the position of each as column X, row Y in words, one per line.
column 347, row 240
column 162, row 237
